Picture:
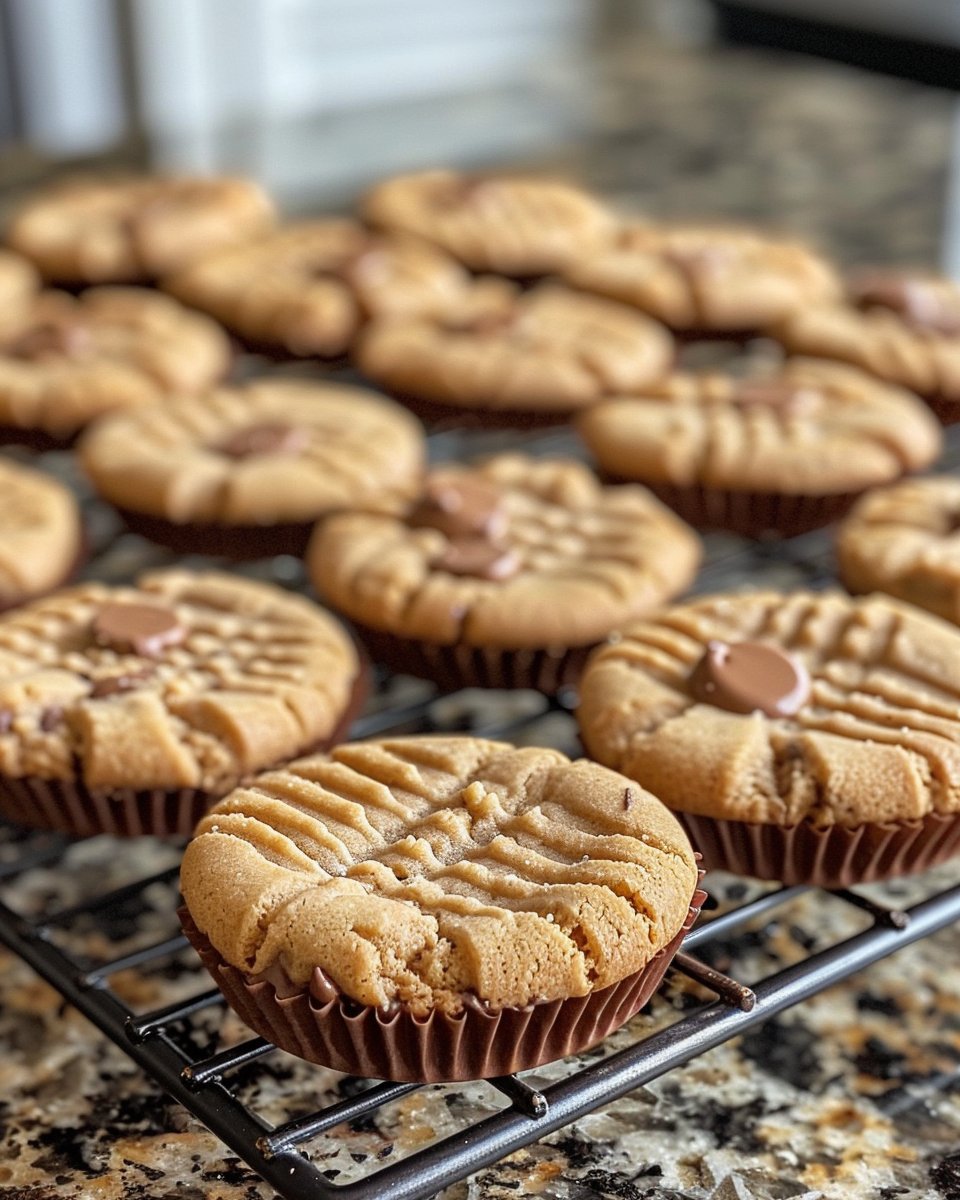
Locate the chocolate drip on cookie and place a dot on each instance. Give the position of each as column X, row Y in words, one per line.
column 470, row 513
column 143, row 629
column 479, row 557
column 746, row 677
column 460, row 508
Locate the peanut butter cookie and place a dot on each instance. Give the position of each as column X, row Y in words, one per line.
column 129, row 709
column 305, row 290
column 40, row 533
column 246, row 471
column 502, row 575
column 703, row 279
column 19, row 284
column 904, row 328
column 134, row 229
column 905, row 540
column 428, row 907
column 76, row 358
column 518, row 358
column 808, row 738
column 784, row 452
column 513, row 225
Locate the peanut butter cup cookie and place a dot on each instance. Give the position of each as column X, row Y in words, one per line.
column 783, row 452
column 134, row 229
column 521, row 358
column 513, row 225
column 306, row 289
column 905, row 540
column 438, row 908
column 246, row 471
column 904, row 328
column 807, row 738
column 19, row 284
column 76, row 358
column 703, row 280
column 40, row 534
column 128, row 710
column 502, row 575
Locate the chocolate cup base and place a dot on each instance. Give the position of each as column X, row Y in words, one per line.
column 68, row 806
column 36, row 439
column 433, row 412
column 475, row 1044
column 831, row 856
column 279, row 355
column 237, row 542
column 451, row 668
column 946, row 411
column 751, row 514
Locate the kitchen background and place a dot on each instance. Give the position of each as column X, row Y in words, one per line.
column 676, row 107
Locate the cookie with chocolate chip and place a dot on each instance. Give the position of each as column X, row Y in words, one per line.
column 246, row 471
column 305, row 290
column 806, row 737
column 706, row 280
column 902, row 327
column 784, row 451
column 503, row 574
column 438, row 908
column 73, row 359
column 513, row 225
column 509, row 357
column 134, row 229
column 905, row 540
column 41, row 536
column 128, row 709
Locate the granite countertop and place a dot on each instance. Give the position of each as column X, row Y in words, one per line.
column 854, row 1094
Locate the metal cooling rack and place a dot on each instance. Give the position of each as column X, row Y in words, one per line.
column 168, row 1044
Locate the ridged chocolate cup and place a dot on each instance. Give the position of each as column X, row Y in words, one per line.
column 36, row 439
column 547, row 669
column 831, row 856
column 474, row 1044
column 68, row 806
column 946, row 411
column 752, row 514
column 433, row 412
column 238, row 542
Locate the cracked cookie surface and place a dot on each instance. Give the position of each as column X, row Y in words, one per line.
column 266, row 453
column 424, row 870
column 875, row 739
column 549, row 350
column 76, row 358
column 40, row 535
column 134, row 229
column 518, row 226
column 182, row 681
column 529, row 553
column 704, row 279
column 813, row 427
column 307, row 289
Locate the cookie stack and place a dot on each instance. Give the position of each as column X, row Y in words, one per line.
column 437, row 907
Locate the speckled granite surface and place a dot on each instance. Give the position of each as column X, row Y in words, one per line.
column 857, row 1093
